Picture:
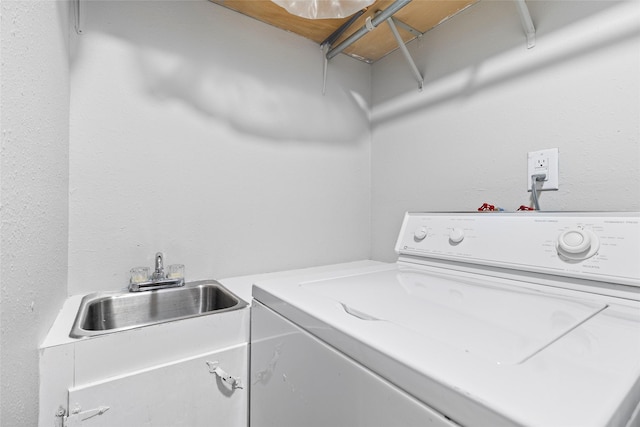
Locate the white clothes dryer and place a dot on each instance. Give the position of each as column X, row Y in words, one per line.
column 486, row 319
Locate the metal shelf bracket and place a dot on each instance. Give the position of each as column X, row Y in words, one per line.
column 408, row 28
column 78, row 12
column 527, row 23
column 369, row 26
column 392, row 25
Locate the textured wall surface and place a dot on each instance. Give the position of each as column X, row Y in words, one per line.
column 204, row 134
column 488, row 101
column 33, row 193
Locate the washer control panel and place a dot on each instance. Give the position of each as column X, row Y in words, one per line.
column 595, row 246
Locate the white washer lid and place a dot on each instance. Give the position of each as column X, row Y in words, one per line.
column 500, row 324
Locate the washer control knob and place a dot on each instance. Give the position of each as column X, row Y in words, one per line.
column 420, row 233
column 456, row 235
column 577, row 244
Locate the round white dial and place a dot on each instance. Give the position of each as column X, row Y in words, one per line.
column 456, row 235
column 420, row 233
column 577, row 244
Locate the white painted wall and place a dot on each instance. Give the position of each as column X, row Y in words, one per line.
column 202, row 133
column 34, row 122
column 488, row 101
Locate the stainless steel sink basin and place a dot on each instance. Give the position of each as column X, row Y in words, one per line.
column 108, row 312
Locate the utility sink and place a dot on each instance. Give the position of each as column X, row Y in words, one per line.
column 108, row 312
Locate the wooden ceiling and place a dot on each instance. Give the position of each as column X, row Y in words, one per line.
column 422, row 15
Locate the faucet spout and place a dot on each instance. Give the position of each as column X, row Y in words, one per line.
column 158, row 273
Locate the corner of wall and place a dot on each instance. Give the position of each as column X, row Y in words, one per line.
column 34, row 192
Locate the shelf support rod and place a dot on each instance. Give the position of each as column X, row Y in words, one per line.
column 406, row 53
column 369, row 26
column 326, row 44
column 344, row 27
column 527, row 23
column 78, row 12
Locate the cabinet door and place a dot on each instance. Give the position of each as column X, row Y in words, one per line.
column 182, row 393
column 298, row 380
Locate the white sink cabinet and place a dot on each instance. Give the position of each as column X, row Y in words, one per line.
column 159, row 375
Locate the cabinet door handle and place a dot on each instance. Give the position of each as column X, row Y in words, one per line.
column 234, row 382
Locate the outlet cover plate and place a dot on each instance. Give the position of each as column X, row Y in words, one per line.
column 543, row 161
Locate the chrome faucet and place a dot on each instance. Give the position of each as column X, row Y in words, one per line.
column 158, row 273
column 158, row 279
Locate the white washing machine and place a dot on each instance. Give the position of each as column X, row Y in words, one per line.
column 486, row 319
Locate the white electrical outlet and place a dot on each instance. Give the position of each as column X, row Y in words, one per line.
column 543, row 162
